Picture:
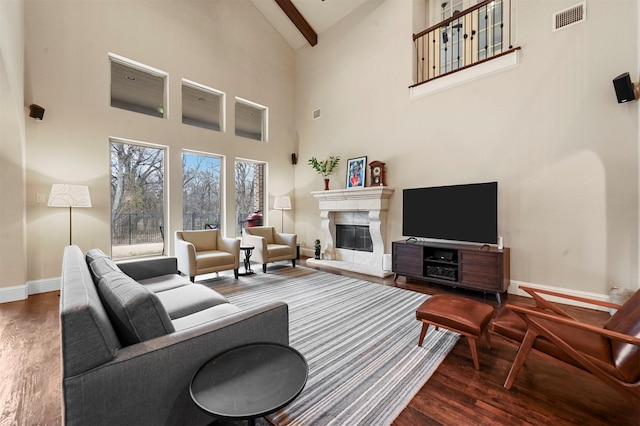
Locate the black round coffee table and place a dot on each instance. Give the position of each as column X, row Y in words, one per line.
column 249, row 381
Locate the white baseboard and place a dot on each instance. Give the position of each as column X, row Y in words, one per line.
column 44, row 286
column 307, row 252
column 514, row 289
column 22, row 292
column 14, row 293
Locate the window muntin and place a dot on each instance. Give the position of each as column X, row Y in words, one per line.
column 201, row 191
column 138, row 88
column 137, row 200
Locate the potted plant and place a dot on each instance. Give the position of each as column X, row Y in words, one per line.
column 325, row 168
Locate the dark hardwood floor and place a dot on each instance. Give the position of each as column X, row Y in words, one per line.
column 544, row 393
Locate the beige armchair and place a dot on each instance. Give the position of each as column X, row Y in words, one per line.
column 270, row 245
column 203, row 252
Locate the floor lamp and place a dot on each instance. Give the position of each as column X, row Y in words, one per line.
column 282, row 203
column 63, row 195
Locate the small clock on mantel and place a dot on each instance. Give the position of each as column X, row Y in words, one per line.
column 377, row 173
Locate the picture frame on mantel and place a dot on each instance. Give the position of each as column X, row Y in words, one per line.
column 356, row 172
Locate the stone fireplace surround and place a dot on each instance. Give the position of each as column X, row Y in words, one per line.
column 357, row 206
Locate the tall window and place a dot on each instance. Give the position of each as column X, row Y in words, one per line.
column 201, row 198
column 249, row 194
column 137, row 200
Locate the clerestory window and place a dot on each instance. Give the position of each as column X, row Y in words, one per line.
column 137, row 87
column 251, row 120
column 202, row 106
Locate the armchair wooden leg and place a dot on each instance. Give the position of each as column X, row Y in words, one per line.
column 523, row 351
column 293, row 263
column 264, row 268
column 193, row 279
column 235, row 273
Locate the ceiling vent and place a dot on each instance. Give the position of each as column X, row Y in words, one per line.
column 316, row 114
column 571, row 16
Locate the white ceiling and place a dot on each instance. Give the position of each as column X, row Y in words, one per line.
column 320, row 14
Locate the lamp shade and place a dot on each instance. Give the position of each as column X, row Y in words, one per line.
column 282, row 202
column 63, row 195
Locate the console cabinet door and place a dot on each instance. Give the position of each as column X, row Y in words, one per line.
column 481, row 270
column 408, row 260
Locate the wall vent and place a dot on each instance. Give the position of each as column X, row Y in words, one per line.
column 316, row 114
column 571, row 16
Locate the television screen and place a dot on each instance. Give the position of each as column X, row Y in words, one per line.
column 466, row 213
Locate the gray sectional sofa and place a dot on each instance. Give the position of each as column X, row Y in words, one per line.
column 134, row 334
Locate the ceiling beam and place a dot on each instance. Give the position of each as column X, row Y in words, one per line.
column 298, row 20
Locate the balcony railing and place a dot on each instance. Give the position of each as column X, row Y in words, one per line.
column 470, row 37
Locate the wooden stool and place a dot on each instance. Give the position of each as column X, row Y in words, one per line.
column 465, row 316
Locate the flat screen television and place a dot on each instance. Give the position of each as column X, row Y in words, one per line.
column 466, row 213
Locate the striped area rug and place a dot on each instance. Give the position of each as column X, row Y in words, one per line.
column 359, row 338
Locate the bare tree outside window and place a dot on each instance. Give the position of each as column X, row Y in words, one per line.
column 249, row 193
column 201, row 191
column 137, row 200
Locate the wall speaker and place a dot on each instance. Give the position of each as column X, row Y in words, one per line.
column 294, row 158
column 36, row 111
column 624, row 88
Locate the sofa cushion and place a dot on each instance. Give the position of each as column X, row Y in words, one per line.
column 278, row 250
column 101, row 266
column 135, row 312
column 164, row 282
column 214, row 259
column 94, row 254
column 186, row 300
column 201, row 317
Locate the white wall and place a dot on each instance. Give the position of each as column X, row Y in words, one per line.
column 227, row 45
column 12, row 146
column 550, row 132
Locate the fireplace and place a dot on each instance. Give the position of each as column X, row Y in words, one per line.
column 353, row 227
column 353, row 237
